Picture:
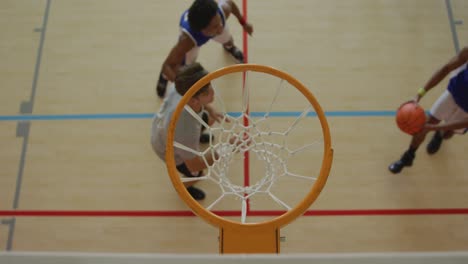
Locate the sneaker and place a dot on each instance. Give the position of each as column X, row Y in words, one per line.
column 405, row 161
column 161, row 87
column 236, row 53
column 435, row 143
column 196, row 193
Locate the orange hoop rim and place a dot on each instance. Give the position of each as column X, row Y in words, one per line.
column 288, row 216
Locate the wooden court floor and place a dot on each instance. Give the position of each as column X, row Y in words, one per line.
column 77, row 94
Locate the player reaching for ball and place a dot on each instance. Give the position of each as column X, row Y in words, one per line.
column 460, row 124
column 451, row 107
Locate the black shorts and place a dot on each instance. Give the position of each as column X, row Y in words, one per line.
column 182, row 168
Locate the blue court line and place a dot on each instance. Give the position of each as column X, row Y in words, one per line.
column 150, row 115
column 73, row 117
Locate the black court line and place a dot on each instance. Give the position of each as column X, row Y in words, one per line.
column 23, row 127
column 453, row 23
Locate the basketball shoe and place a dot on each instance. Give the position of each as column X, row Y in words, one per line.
column 236, row 53
column 196, row 193
column 405, row 161
column 434, row 145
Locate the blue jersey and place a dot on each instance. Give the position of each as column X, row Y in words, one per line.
column 197, row 37
column 458, row 87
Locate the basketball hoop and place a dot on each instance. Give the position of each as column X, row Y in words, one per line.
column 243, row 237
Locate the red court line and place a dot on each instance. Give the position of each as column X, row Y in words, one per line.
column 245, row 36
column 245, row 39
column 357, row 212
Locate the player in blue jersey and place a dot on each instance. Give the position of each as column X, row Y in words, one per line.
column 204, row 20
column 451, row 107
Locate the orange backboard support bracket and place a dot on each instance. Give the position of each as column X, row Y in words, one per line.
column 249, row 240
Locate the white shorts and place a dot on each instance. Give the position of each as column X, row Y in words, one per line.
column 191, row 56
column 445, row 109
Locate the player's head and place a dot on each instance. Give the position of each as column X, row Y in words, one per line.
column 203, row 16
column 188, row 76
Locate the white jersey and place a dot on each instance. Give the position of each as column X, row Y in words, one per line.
column 187, row 132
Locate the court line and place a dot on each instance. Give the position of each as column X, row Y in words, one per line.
column 452, row 23
column 226, row 213
column 245, row 48
column 27, row 107
column 22, row 129
column 150, row 115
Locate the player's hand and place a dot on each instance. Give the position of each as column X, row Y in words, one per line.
column 248, row 28
column 417, row 98
column 216, row 116
column 430, row 127
column 407, row 102
column 241, row 141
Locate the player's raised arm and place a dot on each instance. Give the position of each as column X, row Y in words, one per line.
column 230, row 7
column 442, row 72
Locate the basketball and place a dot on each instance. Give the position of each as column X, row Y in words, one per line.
column 410, row 118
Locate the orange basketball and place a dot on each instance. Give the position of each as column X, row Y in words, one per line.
column 410, row 118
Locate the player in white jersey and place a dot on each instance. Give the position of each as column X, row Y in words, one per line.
column 188, row 128
column 451, row 107
column 204, row 20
